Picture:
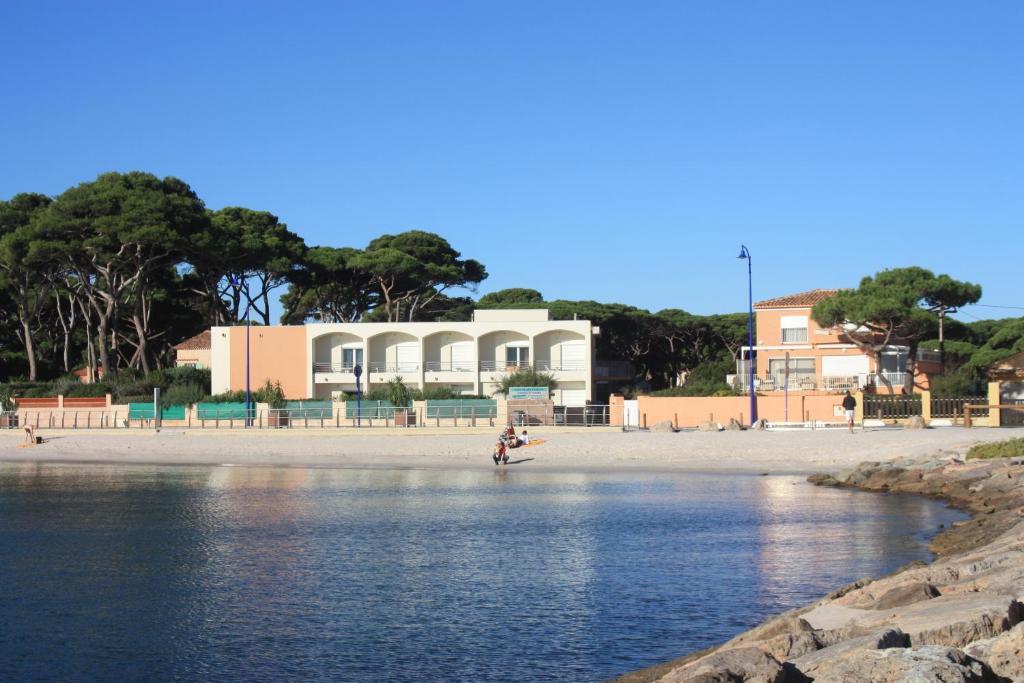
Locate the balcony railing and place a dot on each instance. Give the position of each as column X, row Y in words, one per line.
column 377, row 368
column 503, row 366
column 840, row 383
column 333, row 367
column 444, row 366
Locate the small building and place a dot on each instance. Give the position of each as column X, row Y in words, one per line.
column 794, row 352
column 318, row 360
column 194, row 351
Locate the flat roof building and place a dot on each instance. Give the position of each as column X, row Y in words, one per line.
column 318, row 360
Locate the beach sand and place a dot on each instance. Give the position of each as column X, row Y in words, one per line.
column 782, row 452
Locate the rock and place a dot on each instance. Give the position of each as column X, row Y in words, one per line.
column 1006, row 653
column 663, row 426
column 822, row 479
column 760, row 425
column 709, row 426
column 929, row 663
column 916, row 422
column 815, row 664
column 905, row 595
column 734, row 425
column 743, row 664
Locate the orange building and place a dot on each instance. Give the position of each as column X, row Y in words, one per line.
column 794, row 352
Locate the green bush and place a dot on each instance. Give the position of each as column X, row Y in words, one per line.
column 182, row 395
column 1013, row 448
column 956, row 384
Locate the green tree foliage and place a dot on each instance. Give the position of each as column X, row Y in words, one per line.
column 894, row 307
column 253, row 253
column 328, row 288
column 411, row 269
column 21, row 262
column 515, row 296
column 526, row 377
column 112, row 235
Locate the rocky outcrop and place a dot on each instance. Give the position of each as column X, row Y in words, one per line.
column 663, row 426
column 709, row 426
column 960, row 618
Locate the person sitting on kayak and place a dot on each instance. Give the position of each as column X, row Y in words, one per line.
column 500, row 454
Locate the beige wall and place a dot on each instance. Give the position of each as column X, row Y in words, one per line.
column 768, row 325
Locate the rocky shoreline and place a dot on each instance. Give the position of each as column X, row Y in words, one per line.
column 956, row 619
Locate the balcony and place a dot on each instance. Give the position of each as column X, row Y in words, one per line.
column 439, row 366
column 556, row 366
column 503, row 366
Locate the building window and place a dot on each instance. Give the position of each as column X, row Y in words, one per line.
column 351, row 358
column 517, row 356
column 800, row 370
column 794, row 329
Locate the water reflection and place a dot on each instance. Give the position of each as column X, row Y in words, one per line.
column 270, row 573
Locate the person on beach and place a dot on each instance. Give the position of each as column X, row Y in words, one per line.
column 525, row 438
column 849, row 405
column 500, row 454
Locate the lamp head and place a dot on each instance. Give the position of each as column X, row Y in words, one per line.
column 744, row 254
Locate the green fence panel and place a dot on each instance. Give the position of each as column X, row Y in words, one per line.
column 223, row 411
column 144, row 411
column 456, row 407
column 316, row 409
column 370, row 408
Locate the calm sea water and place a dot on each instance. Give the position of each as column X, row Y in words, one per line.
column 230, row 573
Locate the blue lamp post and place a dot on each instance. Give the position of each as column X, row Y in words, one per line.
column 358, row 372
column 745, row 255
column 248, row 393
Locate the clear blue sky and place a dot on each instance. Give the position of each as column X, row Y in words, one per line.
column 611, row 151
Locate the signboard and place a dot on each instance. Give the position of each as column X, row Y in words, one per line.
column 528, row 393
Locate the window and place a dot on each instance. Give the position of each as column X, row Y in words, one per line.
column 794, row 329
column 893, row 360
column 517, row 356
column 800, row 369
column 351, row 358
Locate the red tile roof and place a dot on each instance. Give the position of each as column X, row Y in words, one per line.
column 197, row 343
column 801, row 300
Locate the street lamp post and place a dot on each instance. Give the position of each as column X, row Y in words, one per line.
column 745, row 255
column 358, row 372
column 248, row 393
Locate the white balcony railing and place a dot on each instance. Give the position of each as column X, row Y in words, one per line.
column 503, row 366
column 444, row 366
column 394, row 367
column 333, row 367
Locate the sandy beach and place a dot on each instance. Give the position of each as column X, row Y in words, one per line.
column 783, row 452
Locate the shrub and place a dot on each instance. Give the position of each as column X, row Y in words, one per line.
column 1012, row 448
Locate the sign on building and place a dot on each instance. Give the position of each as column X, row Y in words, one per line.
column 528, row 393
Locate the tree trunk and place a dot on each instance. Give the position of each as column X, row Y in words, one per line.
column 102, row 340
column 30, row 351
column 140, row 330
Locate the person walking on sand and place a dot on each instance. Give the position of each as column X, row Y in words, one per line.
column 849, row 405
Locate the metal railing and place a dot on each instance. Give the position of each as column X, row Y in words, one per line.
column 953, row 406
column 394, row 367
column 503, row 366
column 445, row 366
column 8, row 419
column 68, row 419
column 840, row 384
column 593, row 415
column 334, row 367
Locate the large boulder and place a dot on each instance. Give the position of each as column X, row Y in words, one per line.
column 916, row 422
column 818, row 663
column 743, row 664
column 663, row 426
column 1004, row 653
column 929, row 663
column 734, row 425
column 709, row 426
column 905, row 594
